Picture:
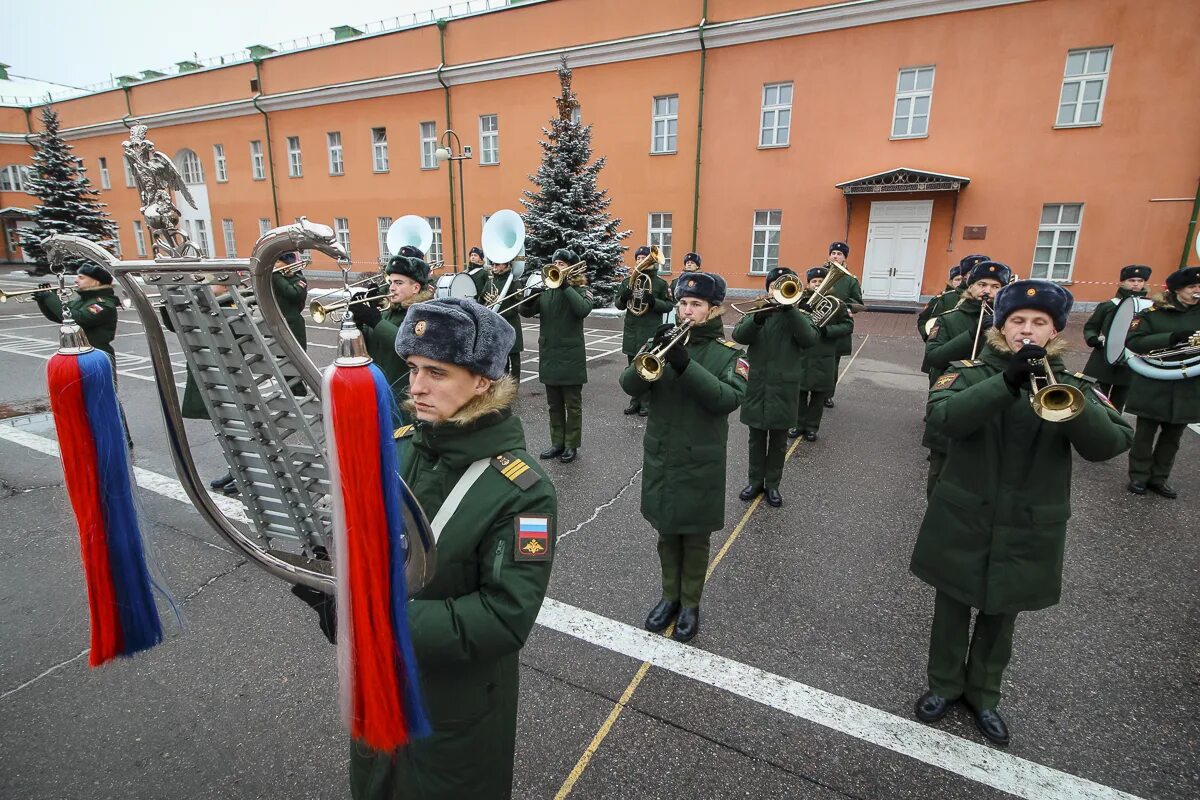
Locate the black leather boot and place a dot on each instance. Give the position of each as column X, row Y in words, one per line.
column 1163, row 489
column 931, row 707
column 633, row 407
column 569, row 454
column 661, row 615
column 810, row 436
column 774, row 498
column 829, row 402
column 220, row 483
column 793, row 433
column 1137, row 487
column 687, row 626
column 750, row 492
column 992, row 726
column 553, row 452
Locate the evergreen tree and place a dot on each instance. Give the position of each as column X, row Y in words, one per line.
column 68, row 203
column 568, row 210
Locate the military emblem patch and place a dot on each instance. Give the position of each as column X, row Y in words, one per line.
column 533, row 537
column 944, row 382
column 1031, row 291
column 303, row 284
column 95, row 308
column 1137, row 321
column 933, row 332
column 742, row 367
column 419, row 328
column 691, row 284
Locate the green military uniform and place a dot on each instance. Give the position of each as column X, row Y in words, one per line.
column 1162, row 408
column 469, row 624
column 479, row 275
column 562, row 358
column 291, row 292
column 950, row 340
column 94, row 310
column 638, row 329
column 849, row 291
column 936, row 307
column 778, row 342
column 381, row 346
column 819, row 370
column 512, row 313
column 994, row 534
column 683, row 477
column 1114, row 379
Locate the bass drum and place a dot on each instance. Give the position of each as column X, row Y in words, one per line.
column 458, row 284
column 1114, row 343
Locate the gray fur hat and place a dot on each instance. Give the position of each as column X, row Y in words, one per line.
column 564, row 255
column 457, row 331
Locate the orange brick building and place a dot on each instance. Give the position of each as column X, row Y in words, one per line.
column 1055, row 135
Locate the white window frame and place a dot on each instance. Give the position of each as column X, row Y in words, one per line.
column 489, row 139
column 118, row 250
column 230, row 240
column 333, row 143
column 577, row 115
column 435, row 247
column 658, row 232
column 909, row 99
column 760, row 246
column 258, row 168
column 380, row 161
column 139, row 238
column 1077, row 83
column 191, row 169
column 295, row 158
column 220, row 165
column 768, row 120
column 1054, row 237
column 201, row 238
column 427, row 132
column 130, row 182
column 664, row 140
column 105, row 178
column 11, row 236
column 381, row 229
column 264, row 227
column 15, row 178
column 341, row 231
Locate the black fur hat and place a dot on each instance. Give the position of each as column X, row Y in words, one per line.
column 290, row 257
column 840, row 247
column 1175, row 281
column 641, row 252
column 1034, row 294
column 1135, row 271
column 956, row 271
column 815, row 272
column 408, row 251
column 413, row 268
column 692, row 257
column 475, row 251
column 96, row 272
column 564, row 255
column 777, row 273
column 968, row 262
column 457, row 331
column 990, row 269
column 702, row 285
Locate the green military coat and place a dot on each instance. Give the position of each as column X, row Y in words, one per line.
column 683, row 477
column 1097, row 325
column 818, row 363
column 479, row 275
column 510, row 311
column 936, row 306
column 995, row 530
column 639, row 329
column 381, row 347
column 562, row 357
column 1172, row 402
column 291, row 292
column 776, row 353
column 469, row 624
column 94, row 310
column 849, row 291
column 951, row 338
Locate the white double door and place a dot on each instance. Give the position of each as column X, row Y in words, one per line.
column 897, row 235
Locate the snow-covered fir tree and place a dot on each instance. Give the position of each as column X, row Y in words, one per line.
column 568, row 210
column 68, row 203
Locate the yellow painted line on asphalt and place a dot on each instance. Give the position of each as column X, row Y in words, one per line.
column 623, row 702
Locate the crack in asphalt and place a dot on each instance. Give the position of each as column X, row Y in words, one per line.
column 596, row 512
column 216, row 578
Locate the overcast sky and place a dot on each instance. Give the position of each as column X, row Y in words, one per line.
column 82, row 42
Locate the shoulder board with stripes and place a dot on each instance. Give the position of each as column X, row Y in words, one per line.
column 727, row 343
column 516, row 470
column 402, row 432
column 966, row 363
column 1082, row 377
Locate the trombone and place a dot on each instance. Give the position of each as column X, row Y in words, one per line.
column 785, row 291
column 557, row 276
column 1051, row 400
column 6, row 296
column 320, row 312
column 649, row 364
column 985, row 310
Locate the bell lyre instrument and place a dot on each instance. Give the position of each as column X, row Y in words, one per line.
column 1051, row 400
column 642, row 299
column 26, row 295
column 824, row 306
column 649, row 364
column 557, row 276
column 785, row 291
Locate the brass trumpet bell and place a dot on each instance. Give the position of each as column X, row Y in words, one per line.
column 321, row 312
column 557, row 276
column 649, row 364
column 785, row 291
column 1051, row 400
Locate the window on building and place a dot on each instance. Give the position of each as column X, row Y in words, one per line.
column 382, row 224
column 105, row 179
column 230, row 244
column 189, row 167
column 15, row 178
column 379, row 149
column 429, row 145
column 200, row 237
column 664, row 129
column 914, row 93
column 219, row 163
column 764, row 252
column 129, row 180
column 258, row 169
column 264, row 227
column 435, row 249
column 1085, row 81
column 341, row 230
column 295, row 166
column 659, row 233
column 1057, row 238
column 334, row 141
column 776, row 115
column 11, row 237
column 118, row 251
column 489, row 139
column 139, row 238
column 577, row 115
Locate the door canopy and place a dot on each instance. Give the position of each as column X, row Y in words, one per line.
column 903, row 179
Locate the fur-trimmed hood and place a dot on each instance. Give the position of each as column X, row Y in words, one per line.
column 995, row 339
column 426, row 293
column 499, row 397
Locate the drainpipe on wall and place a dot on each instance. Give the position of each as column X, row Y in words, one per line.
column 270, row 150
column 1191, row 234
column 441, row 26
column 699, row 126
column 128, row 107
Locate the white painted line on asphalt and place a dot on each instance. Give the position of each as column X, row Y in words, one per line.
column 976, row 762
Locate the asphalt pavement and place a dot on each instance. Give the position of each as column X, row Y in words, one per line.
column 800, row 684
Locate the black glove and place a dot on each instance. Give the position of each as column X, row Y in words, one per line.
column 1179, row 337
column 1093, row 341
column 988, row 321
column 377, row 290
column 1020, row 368
column 660, row 336
column 678, row 358
column 760, row 317
column 366, row 315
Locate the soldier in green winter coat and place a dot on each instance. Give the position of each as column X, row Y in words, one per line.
column 643, row 316
column 1163, row 408
column 1114, row 379
column 494, row 556
column 995, row 530
column 952, row 338
column 819, row 365
column 777, row 338
column 683, row 477
column 478, row 272
column 849, row 291
column 941, row 303
column 507, row 283
column 691, row 263
column 408, row 284
column 291, row 291
column 562, row 357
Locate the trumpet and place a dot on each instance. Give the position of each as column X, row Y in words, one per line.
column 557, row 276
column 376, row 281
column 785, row 291
column 320, row 312
column 1051, row 400
column 6, row 296
column 649, row 364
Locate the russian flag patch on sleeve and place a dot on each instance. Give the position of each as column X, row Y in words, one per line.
column 533, row 537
